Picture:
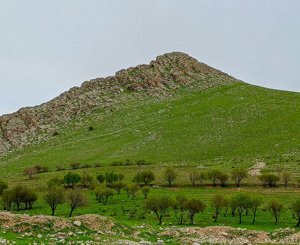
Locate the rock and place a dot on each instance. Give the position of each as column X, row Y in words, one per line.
column 39, row 236
column 77, row 223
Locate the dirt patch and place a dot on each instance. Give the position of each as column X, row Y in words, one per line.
column 256, row 169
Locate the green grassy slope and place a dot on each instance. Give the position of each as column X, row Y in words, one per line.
column 232, row 124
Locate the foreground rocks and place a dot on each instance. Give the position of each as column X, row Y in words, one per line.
column 96, row 229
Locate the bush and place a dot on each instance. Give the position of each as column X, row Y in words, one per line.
column 60, row 168
column 133, row 190
column 196, row 177
column 286, row 177
column 213, row 175
column 111, row 178
column 144, row 177
column 170, row 175
column 91, row 128
column 54, row 182
column 71, row 179
column 180, row 209
column 118, row 186
column 269, row 180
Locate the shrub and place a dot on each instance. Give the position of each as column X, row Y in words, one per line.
column 97, row 165
column 3, row 186
column 238, row 174
column 133, row 190
column 193, row 207
column 60, row 168
column 223, row 177
column 76, row 198
column 159, row 206
column 100, row 178
column 7, row 199
column 197, row 177
column 269, row 180
column 71, row 179
column 86, row 180
column 170, row 175
column 91, row 128
column 53, row 197
column 275, row 209
column 255, row 203
column 144, row 177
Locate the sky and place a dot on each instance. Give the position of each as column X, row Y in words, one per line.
column 47, row 47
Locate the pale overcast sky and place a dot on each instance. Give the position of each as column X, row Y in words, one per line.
column 46, row 47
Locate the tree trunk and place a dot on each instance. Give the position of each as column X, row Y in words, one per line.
column 71, row 212
column 254, row 217
column 298, row 224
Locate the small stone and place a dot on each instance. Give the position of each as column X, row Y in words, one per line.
column 39, row 236
column 77, row 223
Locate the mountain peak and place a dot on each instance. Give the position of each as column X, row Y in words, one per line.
column 162, row 77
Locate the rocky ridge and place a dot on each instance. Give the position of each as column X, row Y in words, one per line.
column 162, row 77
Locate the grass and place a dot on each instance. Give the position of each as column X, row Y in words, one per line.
column 225, row 127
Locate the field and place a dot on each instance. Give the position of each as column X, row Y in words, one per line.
column 236, row 125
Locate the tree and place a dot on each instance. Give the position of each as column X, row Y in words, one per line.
column 240, row 203
column 100, row 178
column 29, row 199
column 275, row 209
column 218, row 202
column 159, row 206
column 194, row 176
column 223, row 177
column 180, row 209
column 7, row 199
column 269, row 180
column 133, row 190
column 53, row 197
column 255, row 203
column 86, row 180
column 238, row 174
column 193, row 207
column 71, row 179
column 170, row 175
column 30, row 172
column 144, row 177
column 286, row 177
column 104, row 194
column 3, row 187
column 214, row 176
column 111, row 178
column 76, row 198
column 296, row 210
column 146, row 190
column 118, row 186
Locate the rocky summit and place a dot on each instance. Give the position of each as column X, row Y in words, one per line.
column 162, row 77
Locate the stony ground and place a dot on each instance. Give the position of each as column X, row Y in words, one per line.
column 95, row 229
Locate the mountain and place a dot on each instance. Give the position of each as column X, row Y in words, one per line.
column 163, row 76
column 174, row 110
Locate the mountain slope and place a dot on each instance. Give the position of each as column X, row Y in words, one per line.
column 162, row 77
column 204, row 117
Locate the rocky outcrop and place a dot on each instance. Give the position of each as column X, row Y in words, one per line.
column 162, row 76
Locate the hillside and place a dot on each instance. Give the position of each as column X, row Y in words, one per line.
column 173, row 111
